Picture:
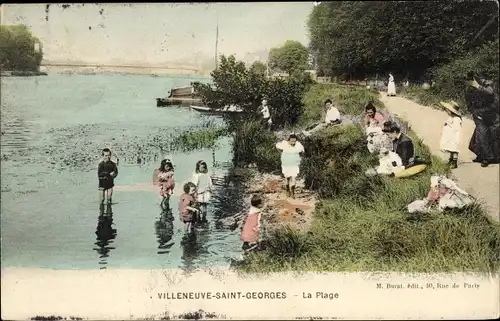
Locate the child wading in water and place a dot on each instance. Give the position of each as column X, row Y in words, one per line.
column 450, row 137
column 250, row 234
column 106, row 172
column 203, row 182
column 166, row 181
column 187, row 210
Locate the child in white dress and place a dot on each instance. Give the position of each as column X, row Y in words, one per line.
column 450, row 136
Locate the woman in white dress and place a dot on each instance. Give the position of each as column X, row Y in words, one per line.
column 391, row 86
column 290, row 161
column 450, row 135
column 203, row 181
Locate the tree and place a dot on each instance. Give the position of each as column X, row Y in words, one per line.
column 360, row 38
column 258, row 68
column 234, row 84
column 291, row 57
column 17, row 49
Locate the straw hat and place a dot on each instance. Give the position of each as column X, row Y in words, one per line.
column 451, row 106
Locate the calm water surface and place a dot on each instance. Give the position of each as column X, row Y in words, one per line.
column 52, row 131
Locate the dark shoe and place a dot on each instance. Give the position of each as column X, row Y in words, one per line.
column 292, row 194
column 453, row 164
column 477, row 160
column 485, row 164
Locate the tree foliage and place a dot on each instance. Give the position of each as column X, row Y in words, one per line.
column 362, row 38
column 234, row 84
column 17, row 49
column 291, row 57
column 450, row 78
column 258, row 68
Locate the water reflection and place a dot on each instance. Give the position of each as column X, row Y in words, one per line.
column 164, row 229
column 105, row 233
column 194, row 248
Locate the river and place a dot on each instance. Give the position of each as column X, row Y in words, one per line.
column 53, row 129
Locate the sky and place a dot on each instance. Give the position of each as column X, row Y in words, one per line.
column 159, row 34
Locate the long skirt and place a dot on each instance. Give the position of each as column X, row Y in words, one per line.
column 485, row 142
column 391, row 88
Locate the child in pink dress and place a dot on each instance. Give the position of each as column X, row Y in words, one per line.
column 250, row 234
column 166, row 178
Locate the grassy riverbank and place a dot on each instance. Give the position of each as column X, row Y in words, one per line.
column 360, row 223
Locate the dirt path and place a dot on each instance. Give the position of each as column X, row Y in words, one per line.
column 427, row 122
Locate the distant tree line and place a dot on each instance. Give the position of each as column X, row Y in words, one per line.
column 17, row 49
column 408, row 38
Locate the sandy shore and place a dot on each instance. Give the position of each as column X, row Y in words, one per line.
column 427, row 123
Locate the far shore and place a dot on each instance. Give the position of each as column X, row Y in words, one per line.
column 123, row 70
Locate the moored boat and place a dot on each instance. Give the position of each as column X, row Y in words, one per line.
column 223, row 110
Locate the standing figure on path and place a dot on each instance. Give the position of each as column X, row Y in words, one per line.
column 482, row 103
column 450, row 136
column 292, row 150
column 187, row 210
column 266, row 115
column 372, row 115
column 166, row 181
column 401, row 145
column 391, row 86
column 106, row 172
column 204, row 185
column 250, row 233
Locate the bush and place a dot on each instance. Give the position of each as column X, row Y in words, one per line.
column 196, row 138
column 450, row 78
column 253, row 144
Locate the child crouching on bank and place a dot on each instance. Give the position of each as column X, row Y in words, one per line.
column 250, row 234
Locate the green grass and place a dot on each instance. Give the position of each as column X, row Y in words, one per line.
column 361, row 223
column 197, row 138
column 351, row 100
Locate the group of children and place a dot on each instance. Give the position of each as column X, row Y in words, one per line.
column 193, row 201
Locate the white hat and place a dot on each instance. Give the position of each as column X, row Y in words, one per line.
column 451, row 106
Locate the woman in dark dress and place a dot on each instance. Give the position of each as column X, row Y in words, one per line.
column 482, row 102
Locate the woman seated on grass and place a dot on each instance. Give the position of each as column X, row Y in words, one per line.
column 372, row 116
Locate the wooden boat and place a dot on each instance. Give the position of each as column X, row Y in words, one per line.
column 224, row 110
column 181, row 92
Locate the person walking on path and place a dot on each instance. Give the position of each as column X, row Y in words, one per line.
column 450, row 135
column 391, row 86
column 291, row 151
column 482, row 103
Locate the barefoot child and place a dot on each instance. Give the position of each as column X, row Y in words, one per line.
column 450, row 136
column 106, row 172
column 250, row 234
column 186, row 206
column 166, row 180
column 291, row 155
column 204, row 186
